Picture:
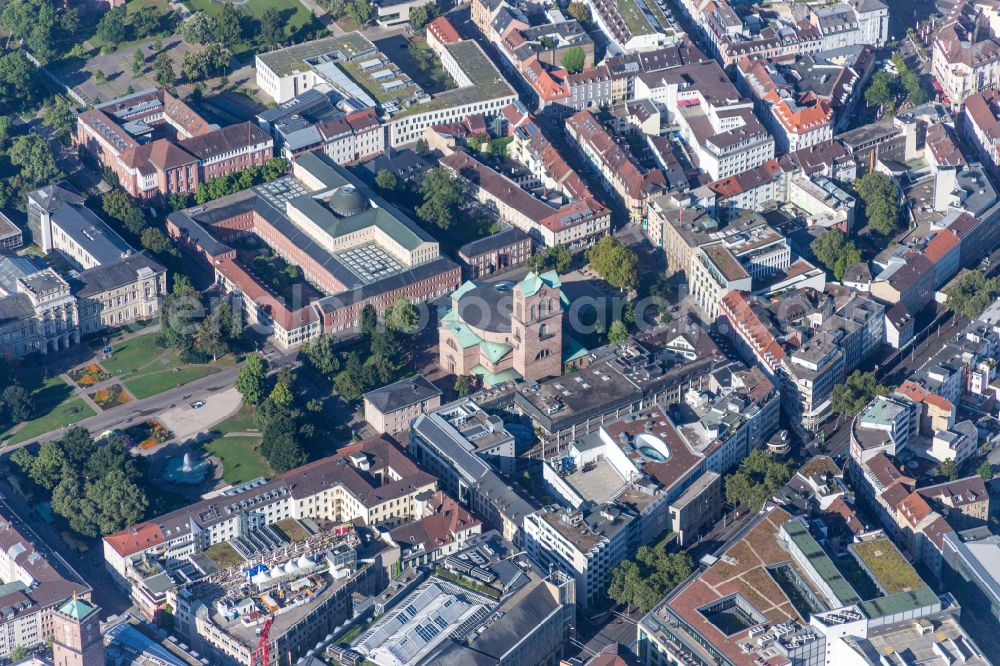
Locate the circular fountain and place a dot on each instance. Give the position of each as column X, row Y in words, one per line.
column 186, row 470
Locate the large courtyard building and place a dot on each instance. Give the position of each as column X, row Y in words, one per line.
column 157, row 145
column 775, row 595
column 352, row 247
column 361, row 76
column 372, row 481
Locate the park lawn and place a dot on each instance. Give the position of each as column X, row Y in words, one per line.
column 148, row 385
column 134, row 355
column 241, row 421
column 63, row 414
column 240, row 458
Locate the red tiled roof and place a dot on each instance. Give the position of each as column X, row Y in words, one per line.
column 914, row 509
column 940, row 245
column 737, row 307
column 135, row 539
column 443, row 30
column 841, row 508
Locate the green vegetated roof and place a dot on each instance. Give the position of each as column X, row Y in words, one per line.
column 887, row 566
column 285, row 61
column 821, row 562
column 487, row 82
column 900, row 603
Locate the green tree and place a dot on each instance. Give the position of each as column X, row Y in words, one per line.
column 579, row 11
column 5, row 127
column 360, row 11
column 199, row 28
column 178, row 201
column 985, row 471
column 573, row 60
column 386, row 180
column 281, row 395
column 251, row 381
column 68, row 502
column 20, row 88
column 209, row 339
column 949, row 469
column 756, row 481
column 555, row 258
column 618, row 331
column 403, row 316
column 283, row 452
column 614, row 262
column 116, row 204
column 350, row 383
column 228, row 25
column 972, row 294
column 163, row 69
column 860, row 388
column 111, row 27
column 207, row 63
column 32, row 156
column 626, row 581
column 19, row 653
column 320, row 355
column 835, row 252
column 880, row 196
column 879, row 89
column 110, row 456
column 17, row 403
column 465, row 384
column 644, row 582
column 61, row 119
column 145, row 22
column 442, row 196
column 115, row 502
column 155, row 240
column 78, row 446
column 272, row 26
column 424, row 14
column 138, row 63
column 368, row 320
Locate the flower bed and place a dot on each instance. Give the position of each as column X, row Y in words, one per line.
column 88, row 375
column 149, row 434
column 109, row 397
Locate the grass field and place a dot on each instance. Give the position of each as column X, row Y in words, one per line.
column 135, row 355
column 63, row 414
column 146, row 386
column 241, row 421
column 240, row 459
column 53, row 405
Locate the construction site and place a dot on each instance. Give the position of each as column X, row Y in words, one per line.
column 274, row 607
